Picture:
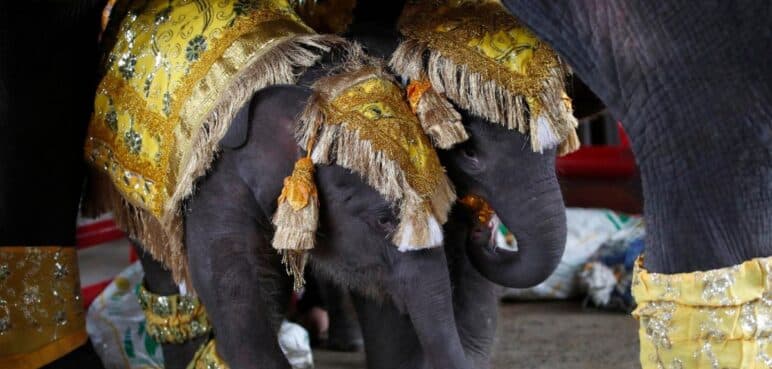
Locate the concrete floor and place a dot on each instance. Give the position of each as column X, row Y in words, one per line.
column 545, row 335
column 532, row 335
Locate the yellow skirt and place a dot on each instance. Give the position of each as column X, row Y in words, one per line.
column 715, row 319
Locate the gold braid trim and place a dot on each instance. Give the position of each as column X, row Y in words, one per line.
column 207, row 358
column 173, row 318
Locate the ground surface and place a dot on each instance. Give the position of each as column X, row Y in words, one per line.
column 545, row 335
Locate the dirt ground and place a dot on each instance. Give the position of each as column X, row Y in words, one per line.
column 545, row 335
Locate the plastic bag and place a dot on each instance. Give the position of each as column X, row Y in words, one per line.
column 116, row 326
column 588, row 229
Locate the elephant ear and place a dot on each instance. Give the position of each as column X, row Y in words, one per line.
column 237, row 133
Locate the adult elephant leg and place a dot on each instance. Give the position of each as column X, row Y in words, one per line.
column 236, row 272
column 694, row 99
column 158, row 280
column 389, row 337
column 48, row 63
column 421, row 284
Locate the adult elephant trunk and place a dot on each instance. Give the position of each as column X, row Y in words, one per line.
column 422, row 282
column 536, row 216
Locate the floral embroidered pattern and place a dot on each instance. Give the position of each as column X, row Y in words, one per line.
column 196, row 46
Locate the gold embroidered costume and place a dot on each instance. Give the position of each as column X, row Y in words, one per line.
column 360, row 119
column 175, row 78
column 483, row 59
column 173, row 318
column 41, row 313
column 705, row 320
column 207, row 358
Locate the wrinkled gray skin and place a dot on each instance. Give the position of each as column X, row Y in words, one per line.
column 524, row 191
column 692, row 84
column 408, row 313
column 238, row 274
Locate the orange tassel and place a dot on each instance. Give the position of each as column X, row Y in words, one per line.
column 296, row 219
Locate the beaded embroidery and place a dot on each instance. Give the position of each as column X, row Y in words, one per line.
column 177, row 75
column 41, row 312
column 174, row 318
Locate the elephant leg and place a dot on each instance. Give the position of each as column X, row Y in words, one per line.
column 421, row 284
column 389, row 337
column 158, row 280
column 700, row 131
column 237, row 275
column 344, row 333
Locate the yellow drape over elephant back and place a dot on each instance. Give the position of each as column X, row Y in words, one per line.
column 175, row 78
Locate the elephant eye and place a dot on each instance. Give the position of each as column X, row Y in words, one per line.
column 470, row 153
column 384, row 220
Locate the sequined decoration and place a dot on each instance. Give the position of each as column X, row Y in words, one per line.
column 168, row 66
column 207, row 358
column 39, row 299
column 715, row 319
column 173, row 318
column 196, row 46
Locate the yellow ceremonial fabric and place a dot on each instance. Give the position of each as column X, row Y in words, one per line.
column 706, row 320
column 377, row 110
column 207, row 358
column 168, row 69
column 41, row 313
column 484, row 37
column 173, row 318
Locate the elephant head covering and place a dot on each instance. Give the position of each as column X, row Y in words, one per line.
column 360, row 119
column 175, row 78
column 484, row 60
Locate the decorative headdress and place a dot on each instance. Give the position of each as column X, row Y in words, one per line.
column 175, row 79
column 483, row 59
column 359, row 119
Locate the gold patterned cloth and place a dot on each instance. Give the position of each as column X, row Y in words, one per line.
column 706, row 320
column 486, row 61
column 176, row 77
column 360, row 119
column 173, row 318
column 41, row 312
column 207, row 358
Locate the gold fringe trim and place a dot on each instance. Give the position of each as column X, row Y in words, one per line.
column 545, row 116
column 339, row 145
column 164, row 239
